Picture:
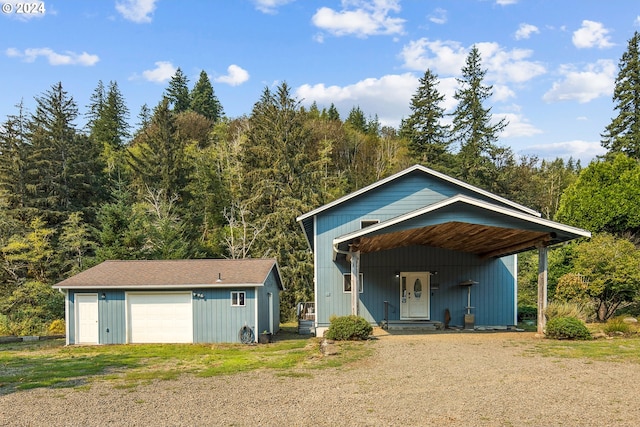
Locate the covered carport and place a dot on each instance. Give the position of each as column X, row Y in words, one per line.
column 487, row 231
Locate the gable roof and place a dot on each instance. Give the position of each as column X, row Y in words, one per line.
column 170, row 274
column 427, row 171
column 517, row 232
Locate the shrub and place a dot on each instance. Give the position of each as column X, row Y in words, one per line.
column 566, row 309
column 617, row 324
column 567, row 328
column 348, row 328
column 527, row 312
column 57, row 327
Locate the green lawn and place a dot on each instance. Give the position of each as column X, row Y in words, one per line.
column 51, row 364
column 624, row 350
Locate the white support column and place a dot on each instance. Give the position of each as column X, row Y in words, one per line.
column 355, row 282
column 543, row 267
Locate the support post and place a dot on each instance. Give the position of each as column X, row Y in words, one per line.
column 355, row 282
column 543, row 266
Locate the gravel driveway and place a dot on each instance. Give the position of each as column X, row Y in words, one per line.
column 464, row 379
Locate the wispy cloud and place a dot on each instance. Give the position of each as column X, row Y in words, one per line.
column 597, row 79
column 54, row 58
column 138, row 11
column 591, row 34
column 438, row 16
column 163, row 72
column 270, row 6
column 360, row 18
column 235, row 76
column 525, row 31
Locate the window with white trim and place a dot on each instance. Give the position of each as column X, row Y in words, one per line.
column 237, row 298
column 347, row 283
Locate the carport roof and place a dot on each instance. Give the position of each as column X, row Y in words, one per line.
column 172, row 274
column 495, row 231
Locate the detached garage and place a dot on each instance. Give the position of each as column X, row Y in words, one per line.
column 172, row 301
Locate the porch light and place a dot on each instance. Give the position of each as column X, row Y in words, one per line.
column 103, row 296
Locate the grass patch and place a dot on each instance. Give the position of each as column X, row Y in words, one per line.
column 623, row 350
column 51, row 364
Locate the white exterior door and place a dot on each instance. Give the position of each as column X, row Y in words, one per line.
column 414, row 295
column 86, row 318
column 159, row 317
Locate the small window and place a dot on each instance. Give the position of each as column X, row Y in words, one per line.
column 368, row 223
column 347, row 283
column 237, row 298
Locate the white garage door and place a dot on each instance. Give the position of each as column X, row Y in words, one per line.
column 159, row 317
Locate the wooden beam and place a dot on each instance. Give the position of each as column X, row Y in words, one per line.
column 543, row 267
column 355, row 282
column 537, row 241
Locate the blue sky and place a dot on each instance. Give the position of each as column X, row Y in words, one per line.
column 552, row 64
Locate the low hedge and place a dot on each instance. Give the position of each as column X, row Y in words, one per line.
column 569, row 328
column 349, row 328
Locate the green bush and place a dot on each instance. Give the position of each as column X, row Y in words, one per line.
column 569, row 328
column 57, row 327
column 350, row 327
column 617, row 324
column 566, row 309
column 527, row 312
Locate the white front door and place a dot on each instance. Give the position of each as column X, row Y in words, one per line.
column 86, row 318
column 414, row 295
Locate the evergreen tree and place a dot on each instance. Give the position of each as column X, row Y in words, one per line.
column 356, row 120
column 332, row 113
column 156, row 157
column 472, row 128
column 64, row 169
column 109, row 122
column 178, row 92
column 428, row 137
column 204, row 100
column 622, row 135
column 14, row 146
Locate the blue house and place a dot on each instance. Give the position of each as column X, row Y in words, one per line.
column 173, row 301
column 422, row 247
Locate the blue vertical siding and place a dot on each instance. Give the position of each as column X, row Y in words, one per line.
column 111, row 317
column 494, row 296
column 215, row 320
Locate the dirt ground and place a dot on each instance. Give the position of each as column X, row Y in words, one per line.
column 454, row 379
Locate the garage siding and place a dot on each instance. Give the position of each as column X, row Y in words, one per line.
column 215, row 320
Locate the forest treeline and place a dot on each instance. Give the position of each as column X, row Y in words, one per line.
column 186, row 181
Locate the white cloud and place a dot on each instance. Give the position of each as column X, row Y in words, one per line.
column 270, row 6
column 449, row 57
column 518, row 126
column 235, row 76
column 438, row 16
column 591, row 34
column 508, row 66
column 389, row 96
column 138, row 11
column 637, row 21
column 361, row 18
column 506, row 2
column 163, row 72
column 525, row 31
column 54, row 58
column 441, row 57
column 581, row 150
column 595, row 80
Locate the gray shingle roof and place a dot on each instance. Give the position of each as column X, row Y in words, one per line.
column 174, row 274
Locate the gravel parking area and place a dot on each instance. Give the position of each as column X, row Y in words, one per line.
column 453, row 379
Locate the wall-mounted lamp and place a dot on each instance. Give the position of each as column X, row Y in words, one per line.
column 197, row 295
column 103, row 296
column 433, row 272
column 397, row 274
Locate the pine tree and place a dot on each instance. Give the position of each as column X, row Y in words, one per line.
column 472, row 127
column 156, row 157
column 108, row 122
column 204, row 100
column 64, row 170
column 428, row 136
column 14, row 146
column 622, row 135
column 178, row 92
